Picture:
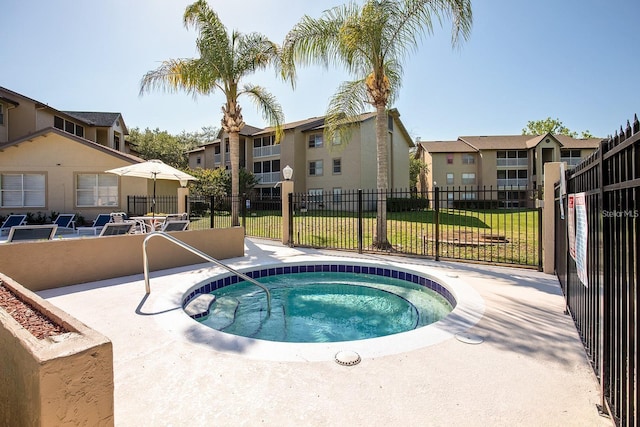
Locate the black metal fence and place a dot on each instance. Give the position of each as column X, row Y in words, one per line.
column 598, row 269
column 468, row 223
column 143, row 205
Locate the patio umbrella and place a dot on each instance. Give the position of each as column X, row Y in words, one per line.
column 153, row 169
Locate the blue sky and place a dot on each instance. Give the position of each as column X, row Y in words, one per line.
column 575, row 60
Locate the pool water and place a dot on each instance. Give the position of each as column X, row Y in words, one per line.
column 324, row 307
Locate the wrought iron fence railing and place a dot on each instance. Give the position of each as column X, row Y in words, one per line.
column 600, row 213
column 469, row 223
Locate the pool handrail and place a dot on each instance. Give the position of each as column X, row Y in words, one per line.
column 201, row 254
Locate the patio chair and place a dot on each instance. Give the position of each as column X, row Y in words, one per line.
column 176, row 225
column 97, row 225
column 66, row 222
column 117, row 228
column 12, row 220
column 32, row 232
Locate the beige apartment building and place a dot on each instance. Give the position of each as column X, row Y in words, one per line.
column 54, row 160
column 318, row 165
column 509, row 164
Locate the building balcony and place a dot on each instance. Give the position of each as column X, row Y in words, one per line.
column 512, row 162
column 514, row 183
column 571, row 161
column 268, row 177
column 269, row 150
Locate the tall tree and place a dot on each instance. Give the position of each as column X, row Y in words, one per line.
column 225, row 60
column 157, row 144
column 371, row 41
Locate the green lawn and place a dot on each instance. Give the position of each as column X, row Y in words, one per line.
column 498, row 236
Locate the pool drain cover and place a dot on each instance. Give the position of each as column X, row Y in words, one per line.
column 347, row 358
column 469, row 338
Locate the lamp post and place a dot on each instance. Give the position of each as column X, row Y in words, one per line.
column 287, row 188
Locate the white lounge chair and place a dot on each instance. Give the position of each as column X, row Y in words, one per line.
column 117, row 228
column 32, row 232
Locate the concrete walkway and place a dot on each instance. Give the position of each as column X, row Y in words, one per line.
column 530, row 369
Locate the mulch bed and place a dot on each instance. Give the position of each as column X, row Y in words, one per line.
column 29, row 318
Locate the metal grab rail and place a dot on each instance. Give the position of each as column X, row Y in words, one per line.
column 201, row 254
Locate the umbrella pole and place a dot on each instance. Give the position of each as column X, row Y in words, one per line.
column 153, row 201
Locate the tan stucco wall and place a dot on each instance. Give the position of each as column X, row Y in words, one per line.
column 46, row 382
column 399, row 159
column 71, row 261
column 61, row 159
column 368, row 156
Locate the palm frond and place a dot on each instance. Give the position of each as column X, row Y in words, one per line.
column 174, row 75
column 267, row 105
column 345, row 107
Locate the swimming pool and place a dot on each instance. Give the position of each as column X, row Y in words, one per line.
column 468, row 308
column 322, row 305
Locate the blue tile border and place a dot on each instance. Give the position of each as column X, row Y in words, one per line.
column 323, row 267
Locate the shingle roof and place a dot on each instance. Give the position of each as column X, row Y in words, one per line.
column 569, row 142
column 95, row 118
column 447, row 147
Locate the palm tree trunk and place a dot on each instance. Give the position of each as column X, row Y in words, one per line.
column 234, row 152
column 380, row 236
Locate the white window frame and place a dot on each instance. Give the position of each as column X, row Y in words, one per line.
column 337, row 194
column 316, row 195
column 318, row 168
column 339, row 164
column 316, row 140
column 450, row 178
column 103, row 191
column 468, row 159
column 468, row 178
column 28, row 190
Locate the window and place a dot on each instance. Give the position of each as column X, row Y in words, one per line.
column 315, row 168
column 116, row 142
column 67, row 126
column 216, row 149
column 469, row 178
column 337, row 194
column 468, row 159
column 315, row 141
column 1, row 114
column 22, row 190
column 450, row 178
column 449, row 159
column 316, row 195
column 257, row 167
column 198, row 160
column 337, row 140
column 337, row 166
column 94, row 190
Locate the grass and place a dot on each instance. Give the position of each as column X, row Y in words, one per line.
column 464, row 234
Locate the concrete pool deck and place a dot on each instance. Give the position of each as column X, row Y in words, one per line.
column 530, row 370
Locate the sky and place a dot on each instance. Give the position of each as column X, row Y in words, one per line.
column 574, row 60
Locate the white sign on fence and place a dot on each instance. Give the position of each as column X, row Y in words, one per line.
column 571, row 224
column 581, row 237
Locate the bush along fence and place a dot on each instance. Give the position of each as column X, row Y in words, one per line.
column 597, row 262
column 467, row 223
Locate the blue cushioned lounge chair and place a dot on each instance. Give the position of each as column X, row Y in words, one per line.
column 11, row 221
column 97, row 225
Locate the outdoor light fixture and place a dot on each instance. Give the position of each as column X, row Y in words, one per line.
column 183, row 183
column 287, row 172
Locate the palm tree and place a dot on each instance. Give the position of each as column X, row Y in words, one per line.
column 225, row 59
column 370, row 41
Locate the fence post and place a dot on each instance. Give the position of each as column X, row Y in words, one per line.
column 243, row 202
column 290, row 231
column 287, row 211
column 212, row 202
column 436, row 203
column 360, row 221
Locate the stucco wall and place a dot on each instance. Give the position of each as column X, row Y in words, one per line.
column 71, row 261
column 63, row 381
column 61, row 159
